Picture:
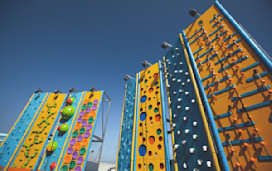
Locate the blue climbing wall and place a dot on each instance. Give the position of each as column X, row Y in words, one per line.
column 20, row 128
column 191, row 147
column 125, row 142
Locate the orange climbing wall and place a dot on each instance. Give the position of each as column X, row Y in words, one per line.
column 80, row 141
column 28, row 155
column 218, row 37
column 150, row 144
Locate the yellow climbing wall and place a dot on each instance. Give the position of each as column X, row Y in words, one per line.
column 150, row 146
column 27, row 156
column 77, row 152
column 218, row 40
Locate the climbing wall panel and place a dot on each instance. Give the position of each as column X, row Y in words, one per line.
column 236, row 76
column 151, row 145
column 192, row 144
column 30, row 151
column 125, row 141
column 55, row 148
column 76, row 152
column 21, row 127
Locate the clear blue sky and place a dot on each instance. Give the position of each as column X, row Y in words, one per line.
column 59, row 44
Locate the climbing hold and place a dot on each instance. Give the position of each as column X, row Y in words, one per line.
column 209, row 164
column 142, row 150
column 63, row 128
column 53, row 165
column 52, row 146
column 262, row 143
column 183, row 142
column 205, row 148
column 82, row 151
column 191, row 150
column 68, row 111
column 72, row 164
column 70, row 100
column 238, row 164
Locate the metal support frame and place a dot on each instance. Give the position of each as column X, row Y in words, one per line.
column 98, row 139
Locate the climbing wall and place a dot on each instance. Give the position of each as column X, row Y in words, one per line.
column 30, row 150
column 20, row 128
column 236, row 76
column 151, row 145
column 192, row 144
column 55, row 148
column 76, row 152
column 123, row 161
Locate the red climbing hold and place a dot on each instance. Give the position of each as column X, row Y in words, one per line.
column 53, row 165
column 59, row 128
column 69, row 101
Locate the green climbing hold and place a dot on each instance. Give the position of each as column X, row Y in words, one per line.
column 68, row 111
column 90, row 104
column 200, row 22
column 82, row 151
column 150, row 167
column 63, row 128
column 75, row 134
column 90, row 120
column 52, row 146
column 72, row 164
column 82, row 130
column 64, row 168
column 158, row 131
column 84, row 107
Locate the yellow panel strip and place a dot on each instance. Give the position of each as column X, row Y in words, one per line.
column 134, row 124
column 69, row 132
column 17, row 119
column 19, row 144
column 116, row 166
column 205, row 123
column 170, row 114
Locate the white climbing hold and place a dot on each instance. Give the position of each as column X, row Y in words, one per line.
column 209, row 164
column 186, row 73
column 184, row 165
column 176, row 71
column 186, row 131
column 181, row 71
column 192, row 150
column 205, row 148
column 187, row 108
column 181, row 63
column 186, row 93
column 193, row 100
column 194, row 136
column 183, row 84
column 179, row 99
column 195, row 123
column 178, row 106
column 185, row 118
column 188, row 80
column 199, row 162
column 176, row 146
column 183, row 142
column 178, row 132
column 174, row 125
column 179, row 80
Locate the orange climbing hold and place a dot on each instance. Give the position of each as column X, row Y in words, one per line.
column 77, row 126
column 85, row 102
column 238, row 164
column 246, row 144
column 67, row 159
column 240, row 131
column 252, row 159
column 151, row 140
column 92, row 113
column 232, row 150
column 262, row 143
column 77, row 146
column 84, row 143
column 86, row 117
